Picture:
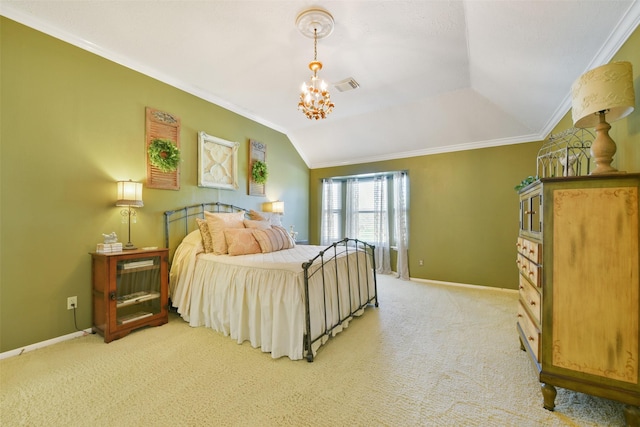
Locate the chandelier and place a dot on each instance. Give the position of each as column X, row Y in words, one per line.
column 315, row 100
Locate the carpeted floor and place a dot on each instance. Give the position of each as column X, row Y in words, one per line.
column 430, row 355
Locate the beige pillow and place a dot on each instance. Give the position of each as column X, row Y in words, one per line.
column 273, row 218
column 207, row 243
column 217, row 223
column 240, row 241
column 271, row 239
column 256, row 215
column 252, row 223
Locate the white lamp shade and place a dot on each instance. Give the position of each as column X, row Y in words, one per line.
column 129, row 194
column 275, row 207
column 607, row 88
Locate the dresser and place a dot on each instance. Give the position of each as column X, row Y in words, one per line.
column 579, row 284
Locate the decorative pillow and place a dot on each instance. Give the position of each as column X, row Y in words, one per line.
column 290, row 242
column 252, row 223
column 217, row 223
column 207, row 243
column 257, row 215
column 273, row 218
column 271, row 239
column 240, row 241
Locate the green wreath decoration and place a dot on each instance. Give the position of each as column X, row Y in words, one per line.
column 164, row 155
column 259, row 172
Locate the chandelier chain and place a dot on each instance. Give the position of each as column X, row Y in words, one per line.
column 315, row 44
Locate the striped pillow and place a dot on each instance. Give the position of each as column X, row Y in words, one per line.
column 272, row 239
column 291, row 243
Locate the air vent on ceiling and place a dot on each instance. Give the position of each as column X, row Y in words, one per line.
column 346, row 84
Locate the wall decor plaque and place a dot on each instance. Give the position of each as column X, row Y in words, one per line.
column 257, row 152
column 163, row 126
column 217, row 162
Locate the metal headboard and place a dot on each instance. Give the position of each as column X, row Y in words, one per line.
column 180, row 222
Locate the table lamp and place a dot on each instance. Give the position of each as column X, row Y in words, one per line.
column 129, row 195
column 600, row 95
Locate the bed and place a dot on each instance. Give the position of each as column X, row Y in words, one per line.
column 287, row 302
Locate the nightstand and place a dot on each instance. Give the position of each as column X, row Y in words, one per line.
column 130, row 290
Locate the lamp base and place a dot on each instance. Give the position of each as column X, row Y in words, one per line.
column 129, row 247
column 603, row 148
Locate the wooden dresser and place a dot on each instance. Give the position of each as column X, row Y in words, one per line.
column 578, row 312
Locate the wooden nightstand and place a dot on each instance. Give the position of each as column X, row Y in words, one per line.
column 130, row 290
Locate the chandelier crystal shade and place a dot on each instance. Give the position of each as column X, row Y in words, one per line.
column 315, row 100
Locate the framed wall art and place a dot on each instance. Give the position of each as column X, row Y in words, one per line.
column 257, row 154
column 164, row 127
column 217, row 162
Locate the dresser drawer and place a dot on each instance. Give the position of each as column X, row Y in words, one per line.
column 530, row 330
column 529, row 269
column 531, row 298
column 533, row 251
column 530, row 249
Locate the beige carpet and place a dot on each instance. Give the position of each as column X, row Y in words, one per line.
column 430, row 355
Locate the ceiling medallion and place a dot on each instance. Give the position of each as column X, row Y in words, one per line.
column 315, row 100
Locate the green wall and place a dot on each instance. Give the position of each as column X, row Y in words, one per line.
column 464, row 212
column 72, row 124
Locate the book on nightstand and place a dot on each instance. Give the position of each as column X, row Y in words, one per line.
column 133, row 317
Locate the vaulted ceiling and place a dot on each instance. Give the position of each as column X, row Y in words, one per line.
column 434, row 76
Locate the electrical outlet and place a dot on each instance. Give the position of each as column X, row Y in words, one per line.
column 72, row 302
column 421, row 262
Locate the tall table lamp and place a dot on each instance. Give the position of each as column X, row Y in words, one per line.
column 130, row 196
column 600, row 95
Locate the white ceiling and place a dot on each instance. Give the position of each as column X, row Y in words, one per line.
column 434, row 76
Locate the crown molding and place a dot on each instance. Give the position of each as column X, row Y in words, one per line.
column 19, row 16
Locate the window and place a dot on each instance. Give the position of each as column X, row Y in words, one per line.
column 331, row 226
column 374, row 209
column 369, row 209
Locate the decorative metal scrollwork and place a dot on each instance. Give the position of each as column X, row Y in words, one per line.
column 566, row 154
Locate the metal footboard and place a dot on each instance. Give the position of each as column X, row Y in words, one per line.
column 326, row 264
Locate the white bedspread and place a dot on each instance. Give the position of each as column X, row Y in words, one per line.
column 260, row 297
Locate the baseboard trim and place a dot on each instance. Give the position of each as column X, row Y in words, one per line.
column 464, row 285
column 42, row 344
